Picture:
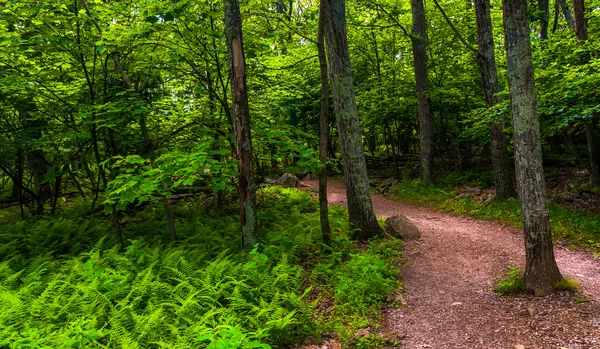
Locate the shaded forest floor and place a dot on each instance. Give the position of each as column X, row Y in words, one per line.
column 450, row 274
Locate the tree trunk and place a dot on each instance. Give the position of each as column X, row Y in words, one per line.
column 324, row 131
column 593, row 140
column 544, row 9
column 170, row 221
column 360, row 207
column 503, row 172
column 591, row 129
column 419, row 44
column 241, row 114
column 567, row 12
column 541, row 271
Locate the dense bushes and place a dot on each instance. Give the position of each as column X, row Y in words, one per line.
column 64, row 283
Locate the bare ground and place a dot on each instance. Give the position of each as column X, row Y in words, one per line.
column 449, row 278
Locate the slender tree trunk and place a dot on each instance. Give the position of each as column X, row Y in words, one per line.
column 567, row 12
column 241, row 114
column 419, row 44
column 591, row 129
column 503, row 172
column 360, row 207
column 544, row 9
column 593, row 140
column 170, row 221
column 324, row 131
column 541, row 271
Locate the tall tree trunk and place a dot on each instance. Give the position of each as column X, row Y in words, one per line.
column 503, row 172
column 419, row 44
column 591, row 129
column 360, row 207
column 324, row 131
column 544, row 9
column 567, row 12
column 36, row 157
column 541, row 271
column 241, row 114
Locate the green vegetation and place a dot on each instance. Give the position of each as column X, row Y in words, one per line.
column 511, row 283
column 567, row 284
column 570, row 226
column 65, row 283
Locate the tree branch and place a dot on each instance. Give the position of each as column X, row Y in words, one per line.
column 460, row 37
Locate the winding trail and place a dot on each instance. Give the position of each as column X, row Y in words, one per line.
column 449, row 276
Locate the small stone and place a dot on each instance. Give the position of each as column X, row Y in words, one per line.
column 532, row 311
column 520, row 346
column 455, row 304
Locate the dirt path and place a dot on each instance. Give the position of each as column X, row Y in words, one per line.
column 449, row 279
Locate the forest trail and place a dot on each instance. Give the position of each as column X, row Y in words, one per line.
column 450, row 274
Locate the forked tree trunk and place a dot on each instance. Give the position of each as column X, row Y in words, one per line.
column 567, row 13
column 503, row 170
column 324, row 132
column 241, row 114
column 419, row 44
column 360, row 207
column 541, row 271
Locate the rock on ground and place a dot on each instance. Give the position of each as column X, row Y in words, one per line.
column 401, row 227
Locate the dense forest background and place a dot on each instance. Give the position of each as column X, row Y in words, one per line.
column 123, row 157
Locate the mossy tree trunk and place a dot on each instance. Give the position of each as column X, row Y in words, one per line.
column 541, row 271
column 360, row 207
column 503, row 170
column 419, row 44
column 324, row 131
column 241, row 115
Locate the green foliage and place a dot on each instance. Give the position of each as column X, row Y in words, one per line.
column 141, row 180
column 64, row 282
column 511, row 283
column 566, row 284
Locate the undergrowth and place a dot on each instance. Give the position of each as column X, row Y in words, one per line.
column 573, row 227
column 65, row 283
column 511, row 283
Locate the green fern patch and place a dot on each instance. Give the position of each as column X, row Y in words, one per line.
column 65, row 283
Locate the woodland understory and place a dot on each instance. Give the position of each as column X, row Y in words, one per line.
column 148, row 147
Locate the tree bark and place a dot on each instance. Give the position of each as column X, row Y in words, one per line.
column 419, row 44
column 567, row 13
column 360, row 207
column 591, row 129
column 324, row 131
column 503, row 172
column 544, row 9
column 541, row 271
column 241, row 114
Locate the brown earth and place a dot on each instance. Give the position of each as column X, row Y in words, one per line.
column 450, row 274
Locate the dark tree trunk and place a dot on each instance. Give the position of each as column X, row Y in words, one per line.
column 503, row 172
column 241, row 114
column 593, row 140
column 170, row 221
column 541, row 271
column 324, row 131
column 567, row 12
column 544, row 9
column 419, row 44
column 591, row 129
column 36, row 157
column 360, row 207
